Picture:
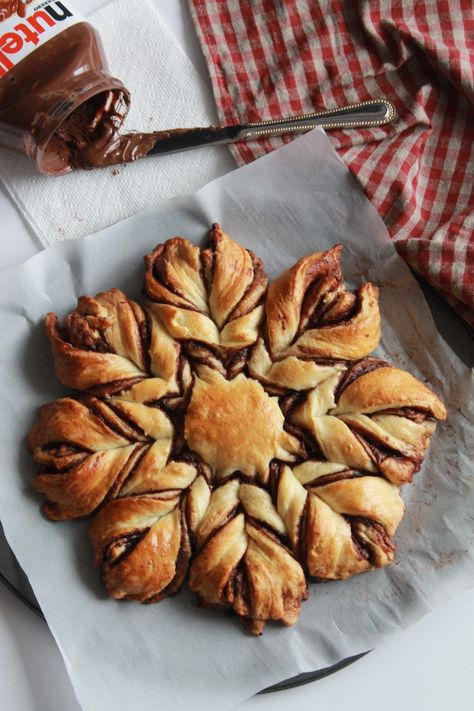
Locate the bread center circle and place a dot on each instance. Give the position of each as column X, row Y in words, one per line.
column 233, row 424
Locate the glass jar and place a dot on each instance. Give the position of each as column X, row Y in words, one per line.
column 43, row 89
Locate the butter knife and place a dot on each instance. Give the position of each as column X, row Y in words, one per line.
column 376, row 112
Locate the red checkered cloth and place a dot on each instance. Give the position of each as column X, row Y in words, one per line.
column 274, row 58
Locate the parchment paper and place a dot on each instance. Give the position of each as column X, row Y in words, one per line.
column 172, row 655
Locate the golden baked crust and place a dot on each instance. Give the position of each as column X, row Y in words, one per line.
column 109, row 345
column 241, row 561
column 216, row 426
column 310, row 312
column 207, row 297
column 246, row 438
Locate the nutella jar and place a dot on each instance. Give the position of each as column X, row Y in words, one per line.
column 57, row 97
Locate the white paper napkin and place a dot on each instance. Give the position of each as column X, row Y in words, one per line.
column 173, row 656
column 167, row 92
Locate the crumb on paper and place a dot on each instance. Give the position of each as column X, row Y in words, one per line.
column 77, row 216
column 115, row 171
column 449, row 558
column 61, row 231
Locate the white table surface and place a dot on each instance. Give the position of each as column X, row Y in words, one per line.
column 429, row 666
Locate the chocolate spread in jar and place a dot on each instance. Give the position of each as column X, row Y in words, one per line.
column 58, row 102
column 90, row 137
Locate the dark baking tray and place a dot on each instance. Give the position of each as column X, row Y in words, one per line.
column 461, row 339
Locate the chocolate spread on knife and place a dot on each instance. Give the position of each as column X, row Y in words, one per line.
column 90, row 137
column 58, row 102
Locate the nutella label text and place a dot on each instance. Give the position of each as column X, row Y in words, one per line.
column 19, row 36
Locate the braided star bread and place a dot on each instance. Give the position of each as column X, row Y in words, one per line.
column 233, row 432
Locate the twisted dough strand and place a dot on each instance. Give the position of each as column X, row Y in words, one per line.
column 373, row 417
column 109, row 345
column 88, row 453
column 211, row 296
column 241, row 560
column 342, row 527
column 311, row 314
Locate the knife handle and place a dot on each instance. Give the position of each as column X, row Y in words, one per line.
column 376, row 112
